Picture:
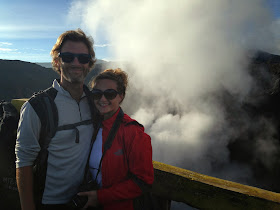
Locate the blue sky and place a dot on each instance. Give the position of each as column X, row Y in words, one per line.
column 275, row 7
column 29, row 28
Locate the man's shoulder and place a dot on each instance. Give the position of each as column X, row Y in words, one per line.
column 43, row 104
column 38, row 96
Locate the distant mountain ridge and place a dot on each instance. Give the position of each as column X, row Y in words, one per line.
column 20, row 79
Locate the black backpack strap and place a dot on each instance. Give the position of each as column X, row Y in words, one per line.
column 143, row 185
column 110, row 138
column 74, row 127
column 113, row 131
column 134, row 123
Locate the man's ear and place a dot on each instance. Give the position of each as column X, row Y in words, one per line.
column 57, row 63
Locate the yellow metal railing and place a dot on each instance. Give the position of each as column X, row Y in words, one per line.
column 18, row 102
column 205, row 192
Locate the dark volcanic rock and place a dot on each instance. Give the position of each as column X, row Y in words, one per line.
column 257, row 123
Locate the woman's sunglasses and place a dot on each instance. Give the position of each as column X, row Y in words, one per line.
column 68, row 57
column 109, row 94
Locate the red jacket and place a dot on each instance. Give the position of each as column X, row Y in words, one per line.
column 131, row 151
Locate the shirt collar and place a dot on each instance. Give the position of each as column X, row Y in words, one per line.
column 61, row 90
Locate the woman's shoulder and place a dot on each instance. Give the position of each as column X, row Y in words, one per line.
column 133, row 130
column 128, row 121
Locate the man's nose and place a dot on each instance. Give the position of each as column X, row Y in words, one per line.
column 76, row 61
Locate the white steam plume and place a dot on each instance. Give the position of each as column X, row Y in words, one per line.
column 180, row 54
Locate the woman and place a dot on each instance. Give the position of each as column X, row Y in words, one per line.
column 124, row 170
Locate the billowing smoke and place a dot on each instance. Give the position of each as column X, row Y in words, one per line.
column 183, row 59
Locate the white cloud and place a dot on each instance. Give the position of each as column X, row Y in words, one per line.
column 5, row 43
column 102, row 45
column 43, row 50
column 7, row 50
column 181, row 52
column 75, row 13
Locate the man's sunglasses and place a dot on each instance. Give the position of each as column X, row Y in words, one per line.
column 68, row 57
column 109, row 94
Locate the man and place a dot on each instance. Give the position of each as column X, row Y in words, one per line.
column 73, row 57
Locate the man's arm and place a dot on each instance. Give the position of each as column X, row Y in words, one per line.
column 24, row 177
column 26, row 150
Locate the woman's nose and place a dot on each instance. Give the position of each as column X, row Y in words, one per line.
column 103, row 98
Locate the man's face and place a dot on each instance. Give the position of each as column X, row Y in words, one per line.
column 73, row 72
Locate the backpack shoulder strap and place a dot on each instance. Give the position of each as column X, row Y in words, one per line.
column 143, row 185
column 134, row 123
column 44, row 106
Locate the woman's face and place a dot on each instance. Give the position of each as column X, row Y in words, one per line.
column 106, row 106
